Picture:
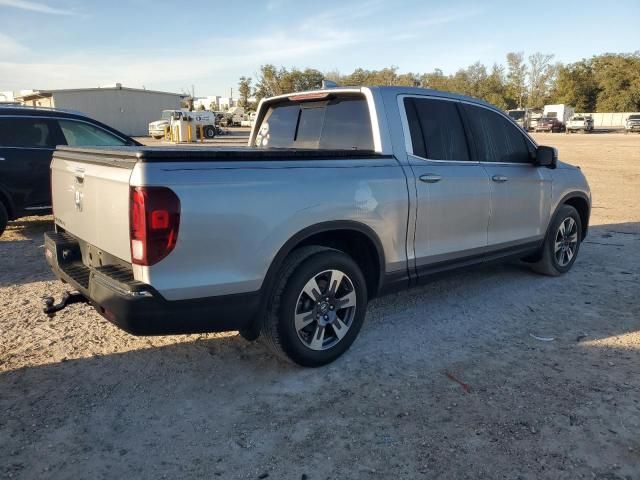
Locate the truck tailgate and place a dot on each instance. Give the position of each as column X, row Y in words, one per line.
column 91, row 199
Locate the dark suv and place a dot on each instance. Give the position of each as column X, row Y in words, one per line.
column 28, row 137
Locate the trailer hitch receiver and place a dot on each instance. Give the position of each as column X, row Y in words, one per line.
column 68, row 298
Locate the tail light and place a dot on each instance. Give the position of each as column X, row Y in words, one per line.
column 154, row 218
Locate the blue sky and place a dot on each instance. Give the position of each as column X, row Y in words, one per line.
column 158, row 44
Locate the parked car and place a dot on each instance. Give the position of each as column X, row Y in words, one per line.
column 580, row 123
column 28, row 137
column 534, row 118
column 632, row 123
column 548, row 124
column 343, row 195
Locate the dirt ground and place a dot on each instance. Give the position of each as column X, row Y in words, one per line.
column 445, row 381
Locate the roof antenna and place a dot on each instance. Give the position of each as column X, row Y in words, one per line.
column 329, row 84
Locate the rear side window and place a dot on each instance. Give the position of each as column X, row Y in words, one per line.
column 341, row 123
column 436, row 129
column 26, row 132
column 80, row 134
column 496, row 139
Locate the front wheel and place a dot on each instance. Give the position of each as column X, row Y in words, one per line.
column 561, row 246
column 317, row 307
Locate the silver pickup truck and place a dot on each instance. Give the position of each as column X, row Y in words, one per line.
column 342, row 195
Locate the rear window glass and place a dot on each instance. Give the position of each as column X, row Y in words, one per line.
column 341, row 123
column 79, row 134
column 436, row 129
column 634, row 117
column 26, row 133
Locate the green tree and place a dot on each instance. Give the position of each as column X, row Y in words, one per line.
column 618, row 78
column 244, row 89
column 516, row 79
column 541, row 78
column 576, row 85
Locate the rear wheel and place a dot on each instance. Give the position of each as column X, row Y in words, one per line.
column 4, row 218
column 209, row 131
column 317, row 307
column 562, row 243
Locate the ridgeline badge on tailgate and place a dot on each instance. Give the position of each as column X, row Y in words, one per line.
column 78, row 200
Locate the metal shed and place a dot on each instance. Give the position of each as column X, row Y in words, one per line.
column 126, row 109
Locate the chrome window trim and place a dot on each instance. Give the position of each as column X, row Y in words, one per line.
column 61, row 118
column 407, row 132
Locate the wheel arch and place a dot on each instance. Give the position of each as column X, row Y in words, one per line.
column 353, row 238
column 580, row 202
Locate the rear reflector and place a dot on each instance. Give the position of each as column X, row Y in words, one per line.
column 154, row 218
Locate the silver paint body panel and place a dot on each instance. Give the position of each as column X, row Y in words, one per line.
column 237, row 215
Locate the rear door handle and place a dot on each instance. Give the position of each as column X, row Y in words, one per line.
column 428, row 178
column 499, row 178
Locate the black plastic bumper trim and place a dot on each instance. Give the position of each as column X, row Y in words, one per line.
column 140, row 309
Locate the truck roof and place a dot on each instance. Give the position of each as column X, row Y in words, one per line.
column 392, row 91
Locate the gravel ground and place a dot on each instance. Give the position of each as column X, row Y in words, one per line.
column 445, row 381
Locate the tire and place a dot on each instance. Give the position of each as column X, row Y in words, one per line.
column 304, row 272
column 560, row 250
column 158, row 137
column 209, row 131
column 4, row 218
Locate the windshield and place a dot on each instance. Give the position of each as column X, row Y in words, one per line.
column 552, row 115
column 578, row 119
column 517, row 114
column 634, row 117
column 166, row 114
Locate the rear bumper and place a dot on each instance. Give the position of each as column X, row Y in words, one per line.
column 137, row 307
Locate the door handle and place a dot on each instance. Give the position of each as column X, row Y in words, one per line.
column 430, row 178
column 499, row 178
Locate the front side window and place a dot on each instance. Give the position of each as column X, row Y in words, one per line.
column 436, row 129
column 26, row 133
column 341, row 123
column 80, row 134
column 496, row 139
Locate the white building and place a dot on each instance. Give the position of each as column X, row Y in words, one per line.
column 126, row 109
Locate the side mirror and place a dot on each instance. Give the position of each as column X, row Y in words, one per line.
column 546, row 156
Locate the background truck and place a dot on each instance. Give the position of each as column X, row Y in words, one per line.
column 521, row 117
column 233, row 117
column 580, row 123
column 342, row 195
column 201, row 117
column 560, row 112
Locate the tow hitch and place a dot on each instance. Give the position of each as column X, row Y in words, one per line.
column 67, row 299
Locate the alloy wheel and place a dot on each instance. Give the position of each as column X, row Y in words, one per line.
column 566, row 241
column 325, row 309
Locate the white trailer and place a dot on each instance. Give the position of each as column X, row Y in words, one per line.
column 561, row 112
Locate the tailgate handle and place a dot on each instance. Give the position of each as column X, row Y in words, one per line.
column 79, row 175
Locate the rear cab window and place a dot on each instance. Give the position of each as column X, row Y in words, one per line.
column 337, row 122
column 436, row 129
column 81, row 134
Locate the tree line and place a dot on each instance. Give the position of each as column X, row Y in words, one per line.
column 602, row 83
